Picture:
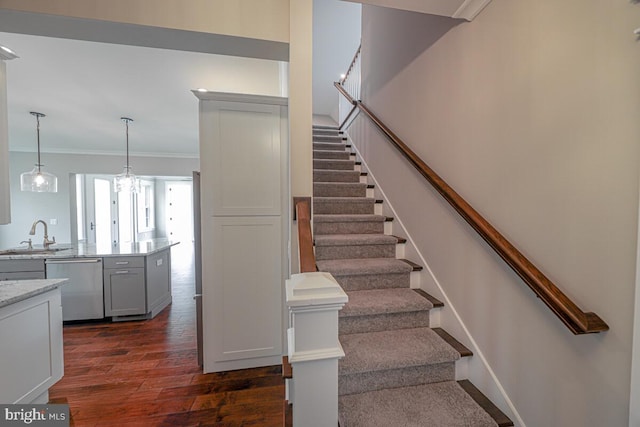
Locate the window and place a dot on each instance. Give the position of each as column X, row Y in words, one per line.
column 104, row 216
column 125, row 217
column 146, row 212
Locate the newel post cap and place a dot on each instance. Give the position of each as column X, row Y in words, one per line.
column 317, row 288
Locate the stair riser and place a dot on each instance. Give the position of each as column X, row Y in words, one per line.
column 349, row 228
column 394, row 378
column 321, row 131
column 355, row 251
column 383, row 322
column 335, row 176
column 328, row 138
column 347, row 165
column 343, row 207
column 331, row 155
column 320, row 134
column 339, row 190
column 373, row 281
column 329, row 146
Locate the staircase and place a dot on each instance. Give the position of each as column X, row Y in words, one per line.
column 397, row 370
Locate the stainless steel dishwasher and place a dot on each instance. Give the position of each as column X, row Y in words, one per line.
column 82, row 295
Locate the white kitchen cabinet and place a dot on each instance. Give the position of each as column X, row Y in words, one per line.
column 244, row 228
column 137, row 287
column 31, row 350
column 158, row 281
column 124, row 291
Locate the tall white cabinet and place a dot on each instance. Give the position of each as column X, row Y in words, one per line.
column 244, row 215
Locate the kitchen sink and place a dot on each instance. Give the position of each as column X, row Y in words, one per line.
column 31, row 251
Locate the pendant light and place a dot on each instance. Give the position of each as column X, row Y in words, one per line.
column 37, row 180
column 126, row 181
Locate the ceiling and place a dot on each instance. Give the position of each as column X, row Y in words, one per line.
column 463, row 9
column 84, row 87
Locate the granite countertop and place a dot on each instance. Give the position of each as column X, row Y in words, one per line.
column 84, row 250
column 13, row 291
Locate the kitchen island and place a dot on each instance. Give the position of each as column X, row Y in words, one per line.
column 31, row 335
column 123, row 282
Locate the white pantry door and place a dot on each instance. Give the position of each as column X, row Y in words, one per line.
column 244, row 170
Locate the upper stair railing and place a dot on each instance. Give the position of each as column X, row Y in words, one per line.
column 350, row 81
column 578, row 321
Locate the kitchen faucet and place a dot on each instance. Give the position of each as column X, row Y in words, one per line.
column 46, row 243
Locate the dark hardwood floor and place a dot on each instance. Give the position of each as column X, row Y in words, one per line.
column 146, row 373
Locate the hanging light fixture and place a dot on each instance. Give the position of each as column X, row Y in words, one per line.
column 126, row 181
column 37, row 180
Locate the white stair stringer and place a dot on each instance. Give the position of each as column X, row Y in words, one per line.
column 446, row 317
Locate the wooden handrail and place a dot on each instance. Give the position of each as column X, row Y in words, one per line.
column 305, row 238
column 571, row 315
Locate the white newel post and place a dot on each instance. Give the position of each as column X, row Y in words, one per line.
column 314, row 300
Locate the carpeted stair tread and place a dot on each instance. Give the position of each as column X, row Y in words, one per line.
column 329, row 138
column 354, row 239
column 348, row 218
column 353, row 267
column 319, row 131
column 343, row 205
column 325, row 127
column 363, row 200
column 334, row 146
column 331, row 154
column 334, row 164
column 384, row 301
column 340, row 189
column 443, row 404
column 345, row 199
column 348, row 224
column 330, row 175
column 402, row 348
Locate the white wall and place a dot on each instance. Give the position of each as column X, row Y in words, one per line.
column 300, row 109
column 530, row 113
column 336, row 37
column 26, row 207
